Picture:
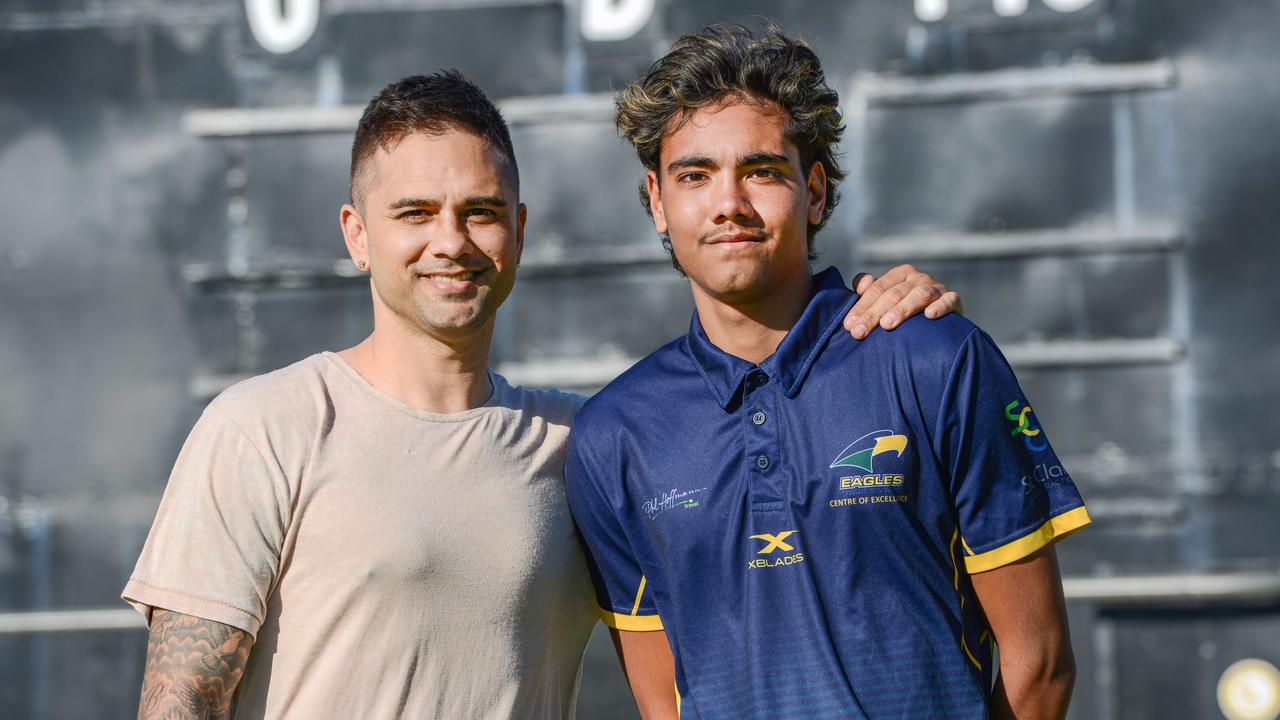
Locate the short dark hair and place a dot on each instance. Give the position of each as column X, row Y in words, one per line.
column 434, row 104
column 728, row 62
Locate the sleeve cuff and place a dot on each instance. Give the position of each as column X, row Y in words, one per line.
column 145, row 598
column 1058, row 527
column 631, row 623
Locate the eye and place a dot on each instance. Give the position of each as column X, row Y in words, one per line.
column 414, row 215
column 480, row 214
column 692, row 177
column 766, row 173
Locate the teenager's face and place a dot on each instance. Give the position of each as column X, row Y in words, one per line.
column 731, row 193
column 441, row 230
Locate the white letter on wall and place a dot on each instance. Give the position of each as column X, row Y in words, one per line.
column 282, row 33
column 1066, row 6
column 614, row 19
column 931, row 10
column 1009, row 8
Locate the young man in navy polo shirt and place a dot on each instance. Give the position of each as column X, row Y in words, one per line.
column 783, row 522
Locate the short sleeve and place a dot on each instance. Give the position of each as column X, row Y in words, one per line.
column 622, row 592
column 1012, row 494
column 214, row 549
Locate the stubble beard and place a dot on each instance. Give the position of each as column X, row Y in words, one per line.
column 443, row 319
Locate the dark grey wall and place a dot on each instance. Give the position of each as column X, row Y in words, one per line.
column 144, row 264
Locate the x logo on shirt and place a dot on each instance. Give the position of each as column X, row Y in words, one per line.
column 775, row 542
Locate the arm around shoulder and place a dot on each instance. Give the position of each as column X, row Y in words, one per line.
column 193, row 667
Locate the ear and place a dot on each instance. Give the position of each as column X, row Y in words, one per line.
column 654, row 189
column 355, row 235
column 817, row 186
column 522, row 214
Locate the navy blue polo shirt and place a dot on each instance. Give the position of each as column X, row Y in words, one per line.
column 804, row 530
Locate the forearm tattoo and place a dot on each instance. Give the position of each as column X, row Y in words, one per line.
column 193, row 668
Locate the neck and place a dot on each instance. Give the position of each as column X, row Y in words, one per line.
column 752, row 328
column 427, row 373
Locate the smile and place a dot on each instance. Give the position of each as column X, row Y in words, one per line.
column 454, row 279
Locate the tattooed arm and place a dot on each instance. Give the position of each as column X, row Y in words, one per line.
column 193, row 667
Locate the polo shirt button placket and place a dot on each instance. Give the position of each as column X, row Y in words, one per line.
column 760, row 442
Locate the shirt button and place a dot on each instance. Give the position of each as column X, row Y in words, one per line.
column 758, row 418
column 762, row 462
column 759, row 378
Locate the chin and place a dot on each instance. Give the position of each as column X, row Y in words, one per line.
column 452, row 323
column 732, row 280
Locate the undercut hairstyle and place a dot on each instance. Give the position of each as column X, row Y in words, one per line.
column 431, row 104
column 727, row 63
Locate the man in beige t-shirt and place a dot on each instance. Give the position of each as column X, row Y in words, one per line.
column 390, row 561
column 382, row 532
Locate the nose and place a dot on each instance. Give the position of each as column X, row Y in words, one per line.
column 448, row 237
column 731, row 201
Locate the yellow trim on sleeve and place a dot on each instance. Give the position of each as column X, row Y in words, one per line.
column 635, row 609
column 1056, row 528
column 631, row 623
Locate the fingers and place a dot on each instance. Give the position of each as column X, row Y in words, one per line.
column 904, row 300
column 948, row 303
column 861, row 282
column 897, row 295
column 867, row 312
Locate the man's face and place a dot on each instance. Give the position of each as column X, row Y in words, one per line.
column 441, row 229
column 730, row 191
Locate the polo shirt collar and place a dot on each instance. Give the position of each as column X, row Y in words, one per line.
column 789, row 364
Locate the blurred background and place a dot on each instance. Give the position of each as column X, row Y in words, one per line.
column 1096, row 177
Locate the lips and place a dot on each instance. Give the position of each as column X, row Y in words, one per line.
column 450, row 277
column 739, row 237
column 452, row 280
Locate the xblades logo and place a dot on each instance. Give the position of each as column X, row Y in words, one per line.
column 775, row 542
column 772, row 544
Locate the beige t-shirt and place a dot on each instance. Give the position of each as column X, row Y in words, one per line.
column 391, row 563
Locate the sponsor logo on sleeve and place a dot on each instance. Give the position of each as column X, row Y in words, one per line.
column 1022, row 416
column 1044, row 475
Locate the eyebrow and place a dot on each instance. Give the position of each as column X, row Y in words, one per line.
column 692, row 161
column 413, row 202
column 764, row 158
column 485, row 201
column 475, row 201
column 756, row 158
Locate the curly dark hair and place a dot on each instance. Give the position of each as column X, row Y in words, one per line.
column 433, row 104
column 724, row 62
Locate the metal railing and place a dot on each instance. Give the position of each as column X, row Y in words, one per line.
column 1131, row 590
column 1073, row 79
column 235, row 122
column 60, row 621
column 1019, row 244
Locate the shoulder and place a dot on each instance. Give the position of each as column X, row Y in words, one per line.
column 915, row 363
column 923, row 342
column 946, row 335
column 652, row 378
column 293, row 396
column 554, row 406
